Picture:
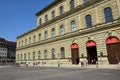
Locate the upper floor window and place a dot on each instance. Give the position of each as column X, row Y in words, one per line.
column 25, row 41
column 88, row 21
column 46, row 35
column 18, row 57
column 108, row 14
column 61, row 30
column 53, row 14
column 40, row 37
column 22, row 43
column 73, row 26
column 40, row 21
column 46, row 18
column 45, row 54
column 53, row 32
column 85, row 1
column 29, row 39
column 71, row 4
column 61, row 10
column 53, row 53
column 39, row 55
column 62, row 50
column 34, row 38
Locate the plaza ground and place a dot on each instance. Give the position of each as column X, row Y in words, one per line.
column 54, row 73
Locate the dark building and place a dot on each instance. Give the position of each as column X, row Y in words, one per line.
column 7, row 51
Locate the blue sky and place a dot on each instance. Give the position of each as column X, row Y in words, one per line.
column 18, row 16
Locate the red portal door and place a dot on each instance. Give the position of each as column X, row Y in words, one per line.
column 75, row 53
column 113, row 50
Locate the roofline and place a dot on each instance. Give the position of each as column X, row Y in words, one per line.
column 48, row 7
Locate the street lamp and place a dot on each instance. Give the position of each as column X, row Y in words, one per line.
column 58, row 60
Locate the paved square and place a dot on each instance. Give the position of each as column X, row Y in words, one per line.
column 44, row 73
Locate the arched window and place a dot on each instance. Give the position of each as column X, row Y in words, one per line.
column 18, row 57
column 45, row 54
column 34, row 38
column 29, row 40
column 46, row 18
column 61, row 29
column 40, row 38
column 71, row 4
column 39, row 54
column 73, row 26
column 33, row 55
column 62, row 50
column 61, row 10
column 108, row 14
column 46, row 35
column 53, row 14
column 53, row 53
column 28, row 56
column 25, row 56
column 21, row 57
column 85, row 1
column 88, row 21
column 53, row 32
column 40, row 21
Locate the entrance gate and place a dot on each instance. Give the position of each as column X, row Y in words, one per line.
column 75, row 53
column 113, row 50
column 91, row 52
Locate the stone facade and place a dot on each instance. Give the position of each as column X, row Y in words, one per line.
column 34, row 41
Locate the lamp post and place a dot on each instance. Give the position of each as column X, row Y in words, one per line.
column 58, row 60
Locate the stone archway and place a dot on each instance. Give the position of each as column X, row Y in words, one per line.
column 75, row 53
column 113, row 49
column 91, row 52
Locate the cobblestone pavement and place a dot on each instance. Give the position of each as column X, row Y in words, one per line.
column 51, row 73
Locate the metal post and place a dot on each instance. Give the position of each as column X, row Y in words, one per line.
column 58, row 60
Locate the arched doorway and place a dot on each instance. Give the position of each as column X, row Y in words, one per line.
column 91, row 52
column 113, row 50
column 75, row 53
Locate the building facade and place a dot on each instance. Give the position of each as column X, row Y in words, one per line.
column 72, row 31
column 7, row 51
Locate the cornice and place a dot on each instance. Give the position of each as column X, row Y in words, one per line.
column 79, row 32
column 78, row 8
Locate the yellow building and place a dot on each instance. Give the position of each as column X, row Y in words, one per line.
column 73, row 30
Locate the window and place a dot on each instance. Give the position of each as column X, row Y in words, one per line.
column 62, row 52
column 21, row 57
column 46, row 18
column 28, row 56
column 40, row 38
column 29, row 39
column 22, row 43
column 71, row 4
column 25, row 41
column 88, row 21
column 40, row 21
column 61, row 10
column 53, row 53
column 73, row 25
column 61, row 30
column 46, row 35
column 33, row 55
column 53, row 14
column 25, row 56
column 53, row 32
column 108, row 14
column 18, row 57
column 85, row 1
column 39, row 54
column 34, row 38
column 45, row 54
